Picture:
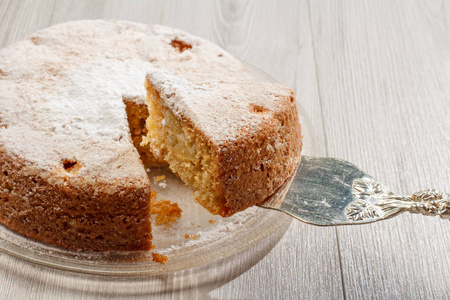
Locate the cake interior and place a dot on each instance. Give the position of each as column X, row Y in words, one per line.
column 187, row 153
column 137, row 114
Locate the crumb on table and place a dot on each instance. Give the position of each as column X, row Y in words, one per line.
column 162, row 259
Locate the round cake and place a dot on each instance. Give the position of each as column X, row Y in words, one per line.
column 72, row 118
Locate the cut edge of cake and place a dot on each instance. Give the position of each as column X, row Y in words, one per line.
column 137, row 114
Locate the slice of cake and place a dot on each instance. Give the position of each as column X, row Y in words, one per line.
column 235, row 144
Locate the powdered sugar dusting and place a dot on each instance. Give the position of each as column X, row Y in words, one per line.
column 106, row 117
column 62, row 90
column 221, row 109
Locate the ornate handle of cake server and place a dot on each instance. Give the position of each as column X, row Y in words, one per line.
column 373, row 200
column 430, row 203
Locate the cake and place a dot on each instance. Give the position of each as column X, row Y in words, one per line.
column 69, row 172
column 234, row 143
column 76, row 131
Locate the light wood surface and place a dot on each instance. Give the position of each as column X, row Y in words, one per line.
column 373, row 77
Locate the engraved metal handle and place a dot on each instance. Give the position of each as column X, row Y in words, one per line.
column 431, row 203
column 373, row 200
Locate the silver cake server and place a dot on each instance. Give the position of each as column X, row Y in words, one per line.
column 329, row 191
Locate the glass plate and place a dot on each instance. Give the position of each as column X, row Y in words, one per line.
column 198, row 238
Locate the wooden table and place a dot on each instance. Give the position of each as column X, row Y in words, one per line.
column 373, row 77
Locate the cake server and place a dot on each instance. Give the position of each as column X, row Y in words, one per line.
column 329, row 191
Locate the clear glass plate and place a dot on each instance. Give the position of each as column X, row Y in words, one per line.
column 198, row 238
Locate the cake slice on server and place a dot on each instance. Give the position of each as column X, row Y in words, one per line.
column 234, row 144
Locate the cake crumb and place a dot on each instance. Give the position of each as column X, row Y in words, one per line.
column 165, row 212
column 159, row 258
column 212, row 221
column 159, row 178
column 192, row 236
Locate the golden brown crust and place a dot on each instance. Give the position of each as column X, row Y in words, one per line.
column 252, row 168
column 86, row 217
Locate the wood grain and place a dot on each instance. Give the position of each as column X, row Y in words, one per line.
column 383, row 78
column 372, row 77
column 20, row 18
